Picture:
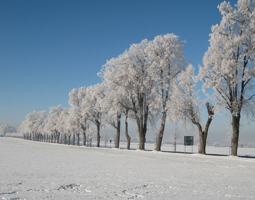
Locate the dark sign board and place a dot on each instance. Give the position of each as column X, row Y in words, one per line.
column 188, row 140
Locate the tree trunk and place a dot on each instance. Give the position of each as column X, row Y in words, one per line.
column 65, row 138
column 235, row 138
column 69, row 138
column 117, row 143
column 202, row 142
column 58, row 137
column 73, row 139
column 142, row 131
column 126, row 130
column 203, row 134
column 78, row 139
column 89, row 142
column 98, row 135
column 139, row 121
column 54, row 138
column 142, row 142
column 161, row 132
column 141, row 134
column 84, row 137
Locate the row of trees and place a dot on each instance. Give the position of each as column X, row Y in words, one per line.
column 151, row 82
column 6, row 128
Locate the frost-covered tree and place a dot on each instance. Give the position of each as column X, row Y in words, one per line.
column 41, row 123
column 229, row 63
column 216, row 144
column 5, row 128
column 166, row 57
column 33, row 127
column 185, row 104
column 113, row 110
column 74, row 125
column 23, row 128
column 83, row 116
column 92, row 108
column 135, row 84
column 62, row 123
column 142, row 88
column 90, row 133
column 114, row 76
column 31, row 124
column 75, row 118
column 51, row 126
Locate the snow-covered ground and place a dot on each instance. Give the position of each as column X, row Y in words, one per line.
column 37, row 170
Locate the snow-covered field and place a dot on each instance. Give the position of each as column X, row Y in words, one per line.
column 37, row 170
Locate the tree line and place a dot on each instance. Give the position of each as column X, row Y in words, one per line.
column 152, row 82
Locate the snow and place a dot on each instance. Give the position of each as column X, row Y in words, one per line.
column 37, row 170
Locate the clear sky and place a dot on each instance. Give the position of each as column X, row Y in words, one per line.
column 49, row 47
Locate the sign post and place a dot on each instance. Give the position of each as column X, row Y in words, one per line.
column 188, row 141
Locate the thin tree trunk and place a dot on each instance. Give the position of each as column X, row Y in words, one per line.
column 89, row 141
column 142, row 133
column 235, row 138
column 84, row 137
column 65, row 138
column 69, row 138
column 126, row 130
column 139, row 121
column 117, row 143
column 98, row 135
column 73, row 139
column 161, row 132
column 58, row 137
column 78, row 139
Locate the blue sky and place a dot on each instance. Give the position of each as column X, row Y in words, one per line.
column 49, row 47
